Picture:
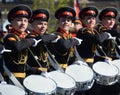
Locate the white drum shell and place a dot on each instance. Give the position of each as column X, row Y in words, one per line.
column 106, row 73
column 65, row 83
column 83, row 75
column 7, row 89
column 117, row 64
column 40, row 85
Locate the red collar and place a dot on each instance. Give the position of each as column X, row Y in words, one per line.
column 19, row 34
column 63, row 32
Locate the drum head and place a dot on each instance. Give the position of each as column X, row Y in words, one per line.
column 63, row 80
column 117, row 64
column 80, row 73
column 6, row 89
column 39, row 84
column 105, row 69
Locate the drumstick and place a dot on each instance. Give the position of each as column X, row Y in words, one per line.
column 106, row 59
column 54, row 62
column 35, row 57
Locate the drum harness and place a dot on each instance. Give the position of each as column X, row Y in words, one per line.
column 12, row 77
column 53, row 62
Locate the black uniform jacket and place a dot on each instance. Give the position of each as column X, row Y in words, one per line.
column 16, row 60
column 91, row 38
column 63, row 48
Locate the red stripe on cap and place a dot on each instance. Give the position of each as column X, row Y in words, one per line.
column 20, row 12
column 89, row 12
column 40, row 15
column 65, row 13
column 110, row 14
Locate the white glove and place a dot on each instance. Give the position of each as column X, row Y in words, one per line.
column 3, row 82
column 79, row 62
column 108, row 61
column 46, row 74
column 110, row 36
column 79, row 40
column 5, row 50
column 55, row 41
column 36, row 42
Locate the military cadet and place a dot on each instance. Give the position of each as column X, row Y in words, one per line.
column 63, row 48
column 77, row 26
column 38, row 57
column 91, row 39
column 15, row 40
column 107, row 17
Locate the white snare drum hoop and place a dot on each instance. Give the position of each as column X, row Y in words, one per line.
column 39, row 84
column 63, row 80
column 105, row 69
column 117, row 64
column 81, row 73
column 7, row 89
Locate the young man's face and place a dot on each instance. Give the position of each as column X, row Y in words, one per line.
column 65, row 23
column 89, row 21
column 40, row 26
column 108, row 22
column 20, row 23
column 77, row 26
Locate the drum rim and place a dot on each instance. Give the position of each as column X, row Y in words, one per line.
column 73, row 80
column 15, row 87
column 54, row 90
column 104, row 74
column 91, row 70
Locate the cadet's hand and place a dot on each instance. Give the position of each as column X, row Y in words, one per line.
column 48, row 38
column 46, row 74
column 79, row 40
column 55, row 41
column 4, row 50
column 36, row 42
column 110, row 36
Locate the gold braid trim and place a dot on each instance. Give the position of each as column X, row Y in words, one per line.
column 22, row 55
column 69, row 52
column 100, row 28
column 43, row 55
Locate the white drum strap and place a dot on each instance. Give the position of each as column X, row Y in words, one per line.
column 11, row 76
column 1, row 78
column 53, row 61
column 79, row 57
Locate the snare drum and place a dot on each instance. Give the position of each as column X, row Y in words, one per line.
column 39, row 85
column 65, row 83
column 7, row 89
column 117, row 64
column 106, row 73
column 83, row 75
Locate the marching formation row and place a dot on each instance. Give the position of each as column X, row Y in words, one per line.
column 80, row 58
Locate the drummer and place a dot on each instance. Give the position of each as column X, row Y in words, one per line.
column 63, row 48
column 91, row 38
column 38, row 56
column 15, row 40
column 107, row 17
column 107, row 22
